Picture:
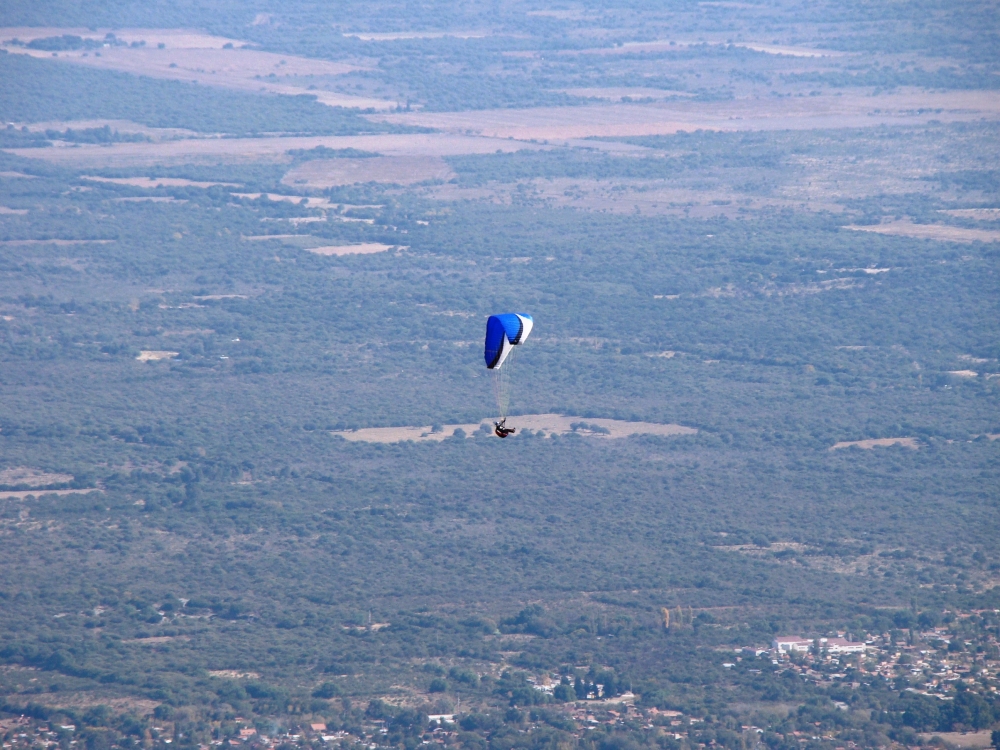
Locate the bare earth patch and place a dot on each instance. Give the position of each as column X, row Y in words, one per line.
column 13, row 211
column 155, row 182
column 906, row 442
column 550, row 424
column 931, row 231
column 32, row 477
column 364, row 248
column 616, row 94
column 122, row 126
column 617, row 120
column 631, row 48
column 270, row 149
column 156, row 639
column 86, row 699
column 299, row 199
column 962, row 739
column 399, row 170
column 233, row 674
column 393, row 36
column 151, row 355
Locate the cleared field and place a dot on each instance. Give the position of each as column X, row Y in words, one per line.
column 149, row 355
column 617, row 94
column 310, row 202
column 792, row 113
column 398, row 35
column 4, row 210
column 399, row 170
column 906, row 442
column 233, row 674
column 962, row 739
column 31, row 477
column 982, row 214
column 155, row 182
column 931, row 231
column 364, row 248
column 122, row 126
column 549, row 424
column 631, row 48
column 215, row 61
column 272, row 149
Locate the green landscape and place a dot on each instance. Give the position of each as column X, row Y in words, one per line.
column 250, row 490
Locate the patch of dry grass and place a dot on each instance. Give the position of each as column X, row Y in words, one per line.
column 399, row 170
column 930, row 231
column 154, row 355
column 155, row 182
column 546, row 424
column 32, row 477
column 869, row 444
column 364, row 248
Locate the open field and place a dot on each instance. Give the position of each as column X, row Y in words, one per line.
column 32, row 477
column 871, row 443
column 148, row 355
column 190, row 56
column 621, row 92
column 907, row 107
column 549, row 424
column 399, row 170
column 298, row 199
column 659, row 46
column 234, row 674
column 155, row 182
column 394, row 36
column 121, row 126
column 931, row 231
column 962, row 739
column 250, row 150
column 366, row 248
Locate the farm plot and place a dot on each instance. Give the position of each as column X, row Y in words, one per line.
column 398, row 170
column 270, row 149
column 155, row 182
column 629, row 120
column 930, row 231
column 215, row 61
column 363, row 248
column 872, row 443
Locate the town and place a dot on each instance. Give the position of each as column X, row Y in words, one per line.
column 938, row 681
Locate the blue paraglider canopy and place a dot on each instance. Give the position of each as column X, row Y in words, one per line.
column 503, row 332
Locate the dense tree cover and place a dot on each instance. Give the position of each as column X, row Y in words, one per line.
column 269, row 545
column 235, row 559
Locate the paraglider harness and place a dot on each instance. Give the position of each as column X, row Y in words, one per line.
column 502, row 430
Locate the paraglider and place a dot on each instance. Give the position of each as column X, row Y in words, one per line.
column 504, row 334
